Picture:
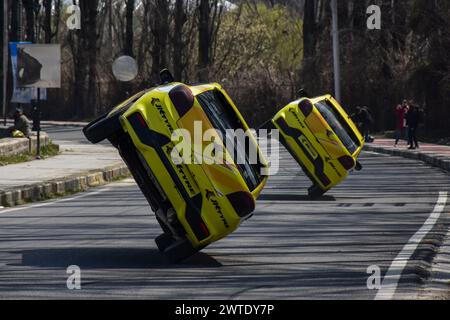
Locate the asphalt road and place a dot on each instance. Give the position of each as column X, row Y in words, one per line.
column 65, row 134
column 292, row 248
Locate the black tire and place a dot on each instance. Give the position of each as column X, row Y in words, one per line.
column 267, row 125
column 315, row 192
column 358, row 166
column 164, row 241
column 179, row 251
column 104, row 127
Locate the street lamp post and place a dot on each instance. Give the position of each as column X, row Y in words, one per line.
column 336, row 58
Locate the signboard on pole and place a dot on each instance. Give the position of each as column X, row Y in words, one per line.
column 39, row 65
column 21, row 95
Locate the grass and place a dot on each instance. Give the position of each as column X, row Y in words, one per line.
column 47, row 151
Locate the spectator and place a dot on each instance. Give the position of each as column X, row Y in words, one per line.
column 412, row 121
column 21, row 124
column 405, row 106
column 365, row 119
column 400, row 112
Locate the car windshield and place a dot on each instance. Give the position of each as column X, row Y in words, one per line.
column 223, row 118
column 339, row 125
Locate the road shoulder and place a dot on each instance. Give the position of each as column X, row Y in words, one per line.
column 435, row 268
column 431, row 154
column 77, row 169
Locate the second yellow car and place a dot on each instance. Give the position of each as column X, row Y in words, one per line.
column 322, row 138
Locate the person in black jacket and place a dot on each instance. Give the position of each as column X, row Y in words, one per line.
column 365, row 120
column 412, row 121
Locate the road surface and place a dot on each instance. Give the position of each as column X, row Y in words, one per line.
column 292, row 248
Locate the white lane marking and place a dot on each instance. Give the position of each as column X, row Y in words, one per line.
column 56, row 201
column 394, row 273
column 377, row 153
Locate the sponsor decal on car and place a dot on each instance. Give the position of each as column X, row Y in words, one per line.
column 211, row 196
column 156, row 102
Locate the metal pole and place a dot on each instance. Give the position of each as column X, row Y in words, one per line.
column 38, row 121
column 5, row 57
column 336, row 58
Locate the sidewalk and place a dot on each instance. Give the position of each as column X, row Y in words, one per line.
column 79, row 167
column 431, row 154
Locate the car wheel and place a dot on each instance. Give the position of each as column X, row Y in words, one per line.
column 315, row 192
column 104, row 127
column 164, row 241
column 179, row 251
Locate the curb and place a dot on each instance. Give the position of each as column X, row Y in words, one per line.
column 17, row 146
column 67, row 185
column 80, row 124
column 65, row 124
column 439, row 161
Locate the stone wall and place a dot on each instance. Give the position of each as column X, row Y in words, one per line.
column 14, row 146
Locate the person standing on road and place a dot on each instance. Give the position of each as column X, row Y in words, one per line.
column 412, row 121
column 400, row 112
column 367, row 123
column 405, row 106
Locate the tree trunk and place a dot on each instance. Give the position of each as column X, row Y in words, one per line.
column 14, row 31
column 47, row 21
column 90, row 107
column 204, row 40
column 163, row 6
column 160, row 28
column 129, row 34
column 84, row 53
column 29, row 13
column 309, row 28
column 178, row 48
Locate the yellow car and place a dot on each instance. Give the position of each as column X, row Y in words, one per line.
column 322, row 138
column 195, row 202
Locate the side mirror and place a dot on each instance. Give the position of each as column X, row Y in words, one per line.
column 166, row 77
column 302, row 93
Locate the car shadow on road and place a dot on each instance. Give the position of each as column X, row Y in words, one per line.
column 110, row 258
column 293, row 197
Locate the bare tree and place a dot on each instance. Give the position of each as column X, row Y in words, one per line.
column 84, row 54
column 204, row 40
column 50, row 18
column 177, row 39
column 30, row 6
column 129, row 31
column 309, row 28
column 160, row 30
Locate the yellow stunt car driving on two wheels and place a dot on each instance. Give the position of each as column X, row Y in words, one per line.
column 322, row 138
column 196, row 203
